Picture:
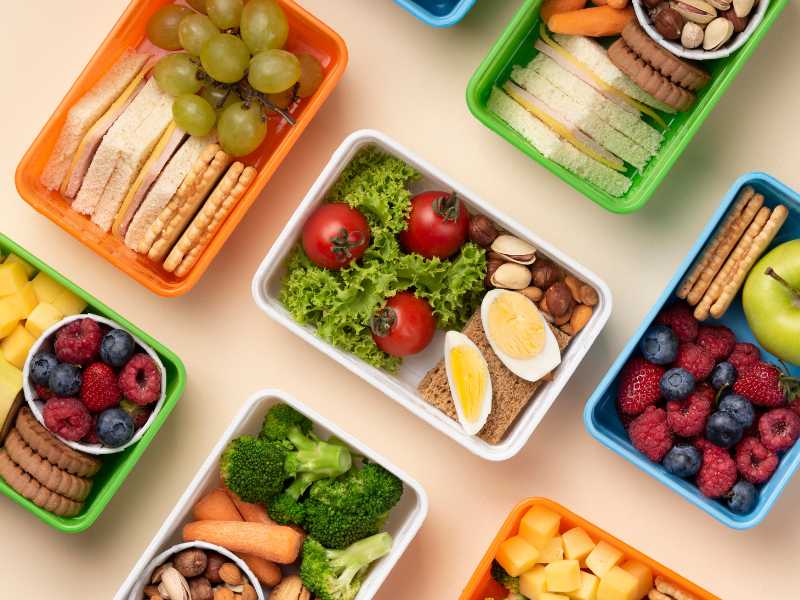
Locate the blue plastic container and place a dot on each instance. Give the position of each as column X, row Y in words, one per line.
column 600, row 414
column 438, row 13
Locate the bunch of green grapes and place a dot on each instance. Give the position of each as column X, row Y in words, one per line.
column 228, row 68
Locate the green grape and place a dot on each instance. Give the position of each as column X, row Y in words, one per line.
column 198, row 5
column 194, row 31
column 311, row 75
column 226, row 14
column 273, row 71
column 162, row 28
column 219, row 97
column 225, row 58
column 241, row 128
column 193, row 114
column 176, row 74
column 264, row 26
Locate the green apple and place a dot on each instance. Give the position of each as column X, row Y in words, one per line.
column 771, row 300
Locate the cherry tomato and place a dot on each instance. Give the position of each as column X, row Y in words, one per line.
column 404, row 326
column 335, row 235
column 437, row 226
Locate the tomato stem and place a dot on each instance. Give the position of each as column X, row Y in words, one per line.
column 447, row 207
column 344, row 242
column 383, row 320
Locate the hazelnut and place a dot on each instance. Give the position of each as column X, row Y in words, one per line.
column 739, row 23
column 482, row 231
column 230, row 573
column 545, row 273
column 669, row 23
column 200, row 589
column 559, row 300
column 215, row 561
column 191, row 562
column 491, row 266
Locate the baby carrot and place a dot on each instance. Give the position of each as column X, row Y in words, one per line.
column 216, row 506
column 594, row 22
column 553, row 7
column 271, row 542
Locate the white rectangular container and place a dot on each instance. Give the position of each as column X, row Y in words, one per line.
column 404, row 521
column 402, row 386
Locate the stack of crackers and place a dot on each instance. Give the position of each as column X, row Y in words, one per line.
column 744, row 235
column 666, row 590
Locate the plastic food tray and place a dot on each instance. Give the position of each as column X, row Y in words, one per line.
column 438, row 13
column 481, row 585
column 516, row 47
column 116, row 467
column 402, row 387
column 307, row 34
column 600, row 415
column 404, row 521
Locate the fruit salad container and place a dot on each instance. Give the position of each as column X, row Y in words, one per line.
column 481, row 585
column 116, row 467
column 438, row 13
column 404, row 523
column 307, row 34
column 402, row 386
column 600, row 414
column 516, row 47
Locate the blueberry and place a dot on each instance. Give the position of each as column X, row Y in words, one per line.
column 65, row 380
column 723, row 429
column 41, row 366
column 683, row 460
column 659, row 345
column 723, row 375
column 739, row 408
column 676, row 384
column 114, row 427
column 742, row 498
column 117, row 347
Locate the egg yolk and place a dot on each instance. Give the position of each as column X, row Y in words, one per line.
column 516, row 326
column 469, row 376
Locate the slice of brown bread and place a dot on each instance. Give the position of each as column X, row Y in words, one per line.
column 510, row 394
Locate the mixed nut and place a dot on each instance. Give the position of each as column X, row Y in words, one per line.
column 709, row 24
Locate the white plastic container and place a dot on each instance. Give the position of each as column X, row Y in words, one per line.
column 404, row 522
column 402, row 386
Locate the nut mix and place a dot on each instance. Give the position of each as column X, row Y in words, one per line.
column 197, row 574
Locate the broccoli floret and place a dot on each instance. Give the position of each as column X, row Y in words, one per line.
column 253, row 468
column 338, row 574
column 282, row 420
column 500, row 575
column 287, row 508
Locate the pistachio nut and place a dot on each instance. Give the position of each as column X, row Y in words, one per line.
column 743, row 8
column 156, row 576
column 718, row 32
column 173, row 585
column 511, row 276
column 692, row 35
column 514, row 249
column 696, row 11
column 721, row 5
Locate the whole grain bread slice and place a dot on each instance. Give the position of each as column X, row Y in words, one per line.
column 510, row 394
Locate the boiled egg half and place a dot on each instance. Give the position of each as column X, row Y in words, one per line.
column 469, row 380
column 519, row 334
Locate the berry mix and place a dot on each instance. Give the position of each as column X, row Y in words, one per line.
column 708, row 407
column 98, row 386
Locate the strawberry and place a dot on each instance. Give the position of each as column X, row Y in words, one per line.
column 638, row 386
column 766, row 385
column 99, row 389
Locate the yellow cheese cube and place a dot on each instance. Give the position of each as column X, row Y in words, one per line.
column 10, row 387
column 552, row 550
column 539, row 525
column 69, row 304
column 24, row 300
column 533, row 583
column 617, row 584
column 603, row 558
column 13, row 258
column 9, row 317
column 12, row 278
column 588, row 588
column 643, row 574
column 42, row 318
column 46, row 288
column 563, row 576
column 577, row 544
column 550, row 596
column 17, row 345
column 516, row 556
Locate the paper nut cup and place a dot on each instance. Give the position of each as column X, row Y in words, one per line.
column 37, row 405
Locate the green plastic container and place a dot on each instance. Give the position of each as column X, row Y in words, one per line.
column 116, row 467
column 516, row 47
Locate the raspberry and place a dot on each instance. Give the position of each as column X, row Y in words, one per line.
column 695, row 360
column 779, row 429
column 795, row 406
column 680, row 317
column 755, row 462
column 744, row 355
column 716, row 341
column 762, row 384
column 650, row 435
column 638, row 386
column 140, row 380
column 91, row 437
column 67, row 417
column 78, row 342
column 43, row 392
column 688, row 418
column 718, row 472
column 99, row 389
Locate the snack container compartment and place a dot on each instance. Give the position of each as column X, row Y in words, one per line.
column 116, row 467
column 402, row 387
column 516, row 47
column 307, row 34
column 438, row 13
column 481, row 585
column 404, row 522
column 600, row 415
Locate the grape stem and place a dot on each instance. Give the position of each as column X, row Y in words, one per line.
column 248, row 94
